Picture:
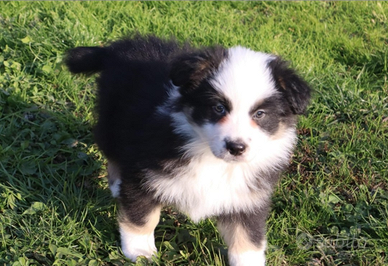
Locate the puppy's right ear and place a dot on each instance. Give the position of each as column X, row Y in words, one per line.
column 85, row 59
column 190, row 69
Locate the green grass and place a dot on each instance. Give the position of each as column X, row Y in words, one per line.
column 330, row 207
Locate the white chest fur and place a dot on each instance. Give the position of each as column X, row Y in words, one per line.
column 209, row 186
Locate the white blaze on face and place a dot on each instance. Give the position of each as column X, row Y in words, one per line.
column 245, row 80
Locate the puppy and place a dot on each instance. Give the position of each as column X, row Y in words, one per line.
column 207, row 130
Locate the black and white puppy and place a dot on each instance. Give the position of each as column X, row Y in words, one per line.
column 206, row 130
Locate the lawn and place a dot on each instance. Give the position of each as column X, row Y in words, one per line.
column 330, row 208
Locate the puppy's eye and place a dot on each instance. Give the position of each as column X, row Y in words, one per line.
column 219, row 109
column 259, row 114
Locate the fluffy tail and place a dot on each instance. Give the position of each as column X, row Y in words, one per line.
column 87, row 60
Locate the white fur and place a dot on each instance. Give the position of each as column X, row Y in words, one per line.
column 244, row 77
column 173, row 95
column 241, row 250
column 216, row 182
column 114, row 179
column 210, row 186
column 134, row 244
column 115, row 188
column 247, row 258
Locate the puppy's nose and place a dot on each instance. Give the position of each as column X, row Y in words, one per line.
column 235, row 148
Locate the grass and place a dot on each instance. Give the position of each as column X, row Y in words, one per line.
column 330, row 207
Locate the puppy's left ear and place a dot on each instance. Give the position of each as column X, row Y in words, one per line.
column 294, row 88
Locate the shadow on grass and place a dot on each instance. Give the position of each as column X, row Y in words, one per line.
column 54, row 205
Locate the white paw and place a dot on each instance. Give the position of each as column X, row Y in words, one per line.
column 247, row 258
column 134, row 245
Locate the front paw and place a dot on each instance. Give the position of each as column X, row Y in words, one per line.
column 247, row 258
column 135, row 245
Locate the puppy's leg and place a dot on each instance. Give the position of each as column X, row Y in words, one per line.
column 138, row 217
column 244, row 233
column 137, row 236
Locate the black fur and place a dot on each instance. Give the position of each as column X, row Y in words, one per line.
column 136, row 75
column 86, row 59
column 253, row 223
column 203, row 99
column 135, row 203
column 189, row 70
column 276, row 113
column 133, row 82
column 294, row 89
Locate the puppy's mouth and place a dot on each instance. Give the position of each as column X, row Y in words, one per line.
column 234, row 159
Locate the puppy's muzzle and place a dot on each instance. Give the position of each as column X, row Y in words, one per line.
column 235, row 148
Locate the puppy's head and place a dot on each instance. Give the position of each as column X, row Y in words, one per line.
column 239, row 104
